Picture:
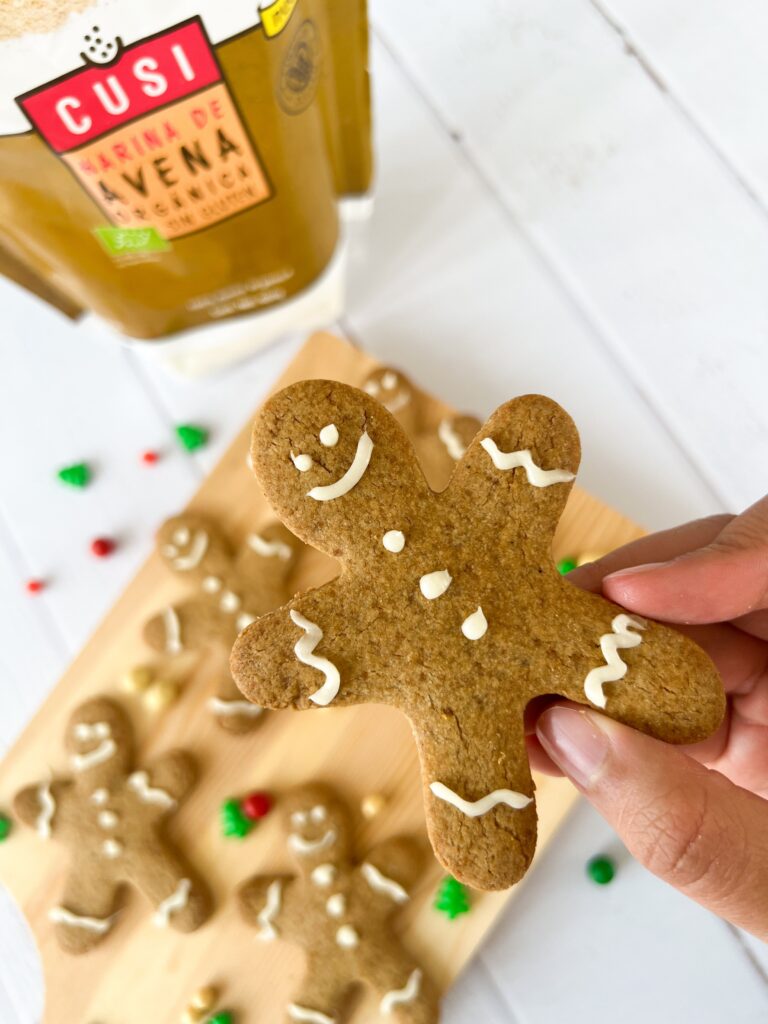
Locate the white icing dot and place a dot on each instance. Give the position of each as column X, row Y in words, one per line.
column 347, row 937
column 107, row 819
column 229, row 602
column 475, row 625
column 169, row 550
column 372, row 387
column 111, row 848
column 318, row 814
column 433, row 584
column 181, row 536
column 299, row 819
column 211, row 584
column 389, row 380
column 394, row 541
column 302, row 462
column 244, row 620
column 99, row 796
column 323, row 875
column 329, row 435
column 336, row 905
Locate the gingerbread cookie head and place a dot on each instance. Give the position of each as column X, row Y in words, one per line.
column 191, row 545
column 327, row 475
column 112, row 816
column 396, row 393
column 318, row 827
column 450, row 607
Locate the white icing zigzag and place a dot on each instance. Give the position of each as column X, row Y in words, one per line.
column 47, row 810
column 178, row 900
column 139, row 783
column 476, row 808
column 380, row 883
column 303, row 650
column 307, row 1016
column 98, row 925
column 230, row 708
column 406, row 994
column 270, row 548
column 614, row 668
column 270, row 910
column 537, row 476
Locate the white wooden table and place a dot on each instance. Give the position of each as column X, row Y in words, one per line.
column 572, row 197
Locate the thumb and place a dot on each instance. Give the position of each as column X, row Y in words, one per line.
column 688, row 825
column 724, row 580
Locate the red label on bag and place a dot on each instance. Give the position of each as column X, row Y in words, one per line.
column 154, row 136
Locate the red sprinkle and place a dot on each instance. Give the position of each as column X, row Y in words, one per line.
column 150, row 457
column 102, row 546
column 35, row 586
column 256, row 805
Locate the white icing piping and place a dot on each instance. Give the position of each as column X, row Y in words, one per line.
column 106, row 749
column 394, row 541
column 475, row 625
column 139, row 783
column 302, row 462
column 537, row 476
column 178, row 900
column 352, row 476
column 307, row 1016
column 335, row 905
column 303, row 651
column 306, row 846
column 98, row 925
column 614, row 668
column 329, row 435
column 435, row 584
column 406, row 994
column 347, row 937
column 323, row 875
column 269, row 548
column 172, row 626
column 270, row 910
column 475, row 808
column 229, row 708
column 453, row 443
column 111, row 848
column 197, row 549
column 380, row 883
column 47, row 810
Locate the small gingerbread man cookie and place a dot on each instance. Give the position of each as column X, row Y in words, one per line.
column 438, row 449
column 339, row 911
column 449, row 607
column 231, row 590
column 112, row 819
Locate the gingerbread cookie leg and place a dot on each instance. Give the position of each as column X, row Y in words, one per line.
column 478, row 791
column 322, row 996
column 180, row 901
column 87, row 910
column 404, row 993
column 231, row 710
column 261, row 901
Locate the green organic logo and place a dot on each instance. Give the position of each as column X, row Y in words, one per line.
column 131, row 241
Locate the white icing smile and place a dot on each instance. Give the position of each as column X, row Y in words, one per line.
column 106, row 748
column 304, row 847
column 352, row 476
column 197, row 550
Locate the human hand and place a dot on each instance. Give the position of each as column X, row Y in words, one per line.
column 702, row 829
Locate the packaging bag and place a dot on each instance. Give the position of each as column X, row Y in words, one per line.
column 169, row 164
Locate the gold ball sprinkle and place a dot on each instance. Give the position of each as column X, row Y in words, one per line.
column 372, row 805
column 136, row 679
column 160, row 695
column 205, row 998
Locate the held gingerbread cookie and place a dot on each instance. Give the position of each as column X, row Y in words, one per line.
column 449, row 606
column 112, row 819
column 438, row 448
column 339, row 911
column 231, row 590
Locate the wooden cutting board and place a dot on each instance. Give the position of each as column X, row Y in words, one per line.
column 142, row 974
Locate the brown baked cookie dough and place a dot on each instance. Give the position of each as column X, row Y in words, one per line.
column 229, row 590
column 338, row 910
column 112, row 818
column 449, row 606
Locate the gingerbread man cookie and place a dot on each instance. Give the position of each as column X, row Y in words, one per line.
column 339, row 912
column 112, row 819
column 231, row 590
column 438, row 448
column 449, row 607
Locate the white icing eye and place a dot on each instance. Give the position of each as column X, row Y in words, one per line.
column 329, row 435
column 302, row 462
column 169, row 550
column 299, row 819
column 372, row 387
column 318, row 814
column 82, row 731
column 389, row 380
column 181, row 536
column 102, row 730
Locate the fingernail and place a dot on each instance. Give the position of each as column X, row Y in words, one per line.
column 635, row 570
column 574, row 742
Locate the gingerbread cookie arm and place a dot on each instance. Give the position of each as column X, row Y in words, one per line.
column 519, row 470
column 186, row 626
column 86, row 912
column 478, row 796
column 262, row 901
column 165, row 782
column 335, row 496
column 231, row 710
column 641, row 673
column 312, row 653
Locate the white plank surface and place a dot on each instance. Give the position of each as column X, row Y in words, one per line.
column 547, row 218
